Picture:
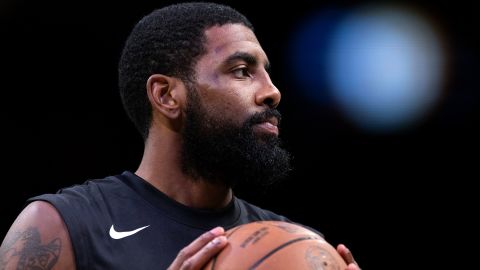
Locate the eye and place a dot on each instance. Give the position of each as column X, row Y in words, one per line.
column 241, row 73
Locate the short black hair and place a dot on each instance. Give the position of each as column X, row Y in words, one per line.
column 167, row 41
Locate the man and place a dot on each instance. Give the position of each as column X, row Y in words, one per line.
column 193, row 78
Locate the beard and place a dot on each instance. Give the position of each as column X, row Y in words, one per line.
column 218, row 151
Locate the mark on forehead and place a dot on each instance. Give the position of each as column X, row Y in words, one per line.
column 218, row 49
column 214, row 77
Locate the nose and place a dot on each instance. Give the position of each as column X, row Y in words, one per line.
column 268, row 94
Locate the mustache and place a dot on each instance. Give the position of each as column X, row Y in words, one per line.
column 261, row 117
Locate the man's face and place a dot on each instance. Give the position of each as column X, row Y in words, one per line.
column 231, row 131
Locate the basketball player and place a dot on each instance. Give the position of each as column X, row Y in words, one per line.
column 194, row 80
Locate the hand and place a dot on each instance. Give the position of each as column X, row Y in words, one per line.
column 348, row 257
column 200, row 251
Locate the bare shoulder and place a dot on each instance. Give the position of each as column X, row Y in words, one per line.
column 38, row 239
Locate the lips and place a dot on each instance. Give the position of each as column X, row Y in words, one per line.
column 269, row 126
column 273, row 121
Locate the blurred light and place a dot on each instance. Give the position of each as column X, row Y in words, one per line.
column 381, row 66
column 385, row 67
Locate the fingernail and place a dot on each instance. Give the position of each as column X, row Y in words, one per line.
column 218, row 240
column 217, row 231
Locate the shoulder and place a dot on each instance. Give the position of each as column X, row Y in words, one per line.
column 83, row 208
column 37, row 238
column 94, row 185
column 89, row 191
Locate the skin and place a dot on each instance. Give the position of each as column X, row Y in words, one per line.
column 231, row 80
column 227, row 86
column 37, row 238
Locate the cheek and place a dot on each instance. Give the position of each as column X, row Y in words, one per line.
column 233, row 107
column 231, row 110
column 240, row 104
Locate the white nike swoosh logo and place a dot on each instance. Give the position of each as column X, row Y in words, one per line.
column 119, row 235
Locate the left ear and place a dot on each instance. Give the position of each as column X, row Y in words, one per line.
column 165, row 94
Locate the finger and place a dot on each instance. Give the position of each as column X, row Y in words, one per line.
column 353, row 266
column 205, row 254
column 346, row 254
column 195, row 246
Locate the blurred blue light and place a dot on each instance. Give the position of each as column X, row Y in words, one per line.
column 307, row 54
column 384, row 68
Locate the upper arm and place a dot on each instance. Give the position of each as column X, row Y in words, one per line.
column 38, row 239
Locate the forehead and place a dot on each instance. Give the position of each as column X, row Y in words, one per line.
column 223, row 41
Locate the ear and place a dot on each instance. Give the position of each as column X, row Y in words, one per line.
column 165, row 95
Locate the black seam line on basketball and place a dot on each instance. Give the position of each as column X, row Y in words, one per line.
column 216, row 256
column 213, row 263
column 255, row 265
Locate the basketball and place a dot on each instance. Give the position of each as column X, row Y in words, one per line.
column 275, row 245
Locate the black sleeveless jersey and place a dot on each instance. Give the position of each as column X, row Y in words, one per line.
column 123, row 222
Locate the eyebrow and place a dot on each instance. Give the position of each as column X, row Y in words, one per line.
column 248, row 58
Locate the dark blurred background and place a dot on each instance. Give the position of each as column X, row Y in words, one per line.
column 397, row 189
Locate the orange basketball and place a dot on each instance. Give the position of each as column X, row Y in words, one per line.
column 275, row 245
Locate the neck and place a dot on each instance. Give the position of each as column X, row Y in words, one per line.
column 161, row 167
